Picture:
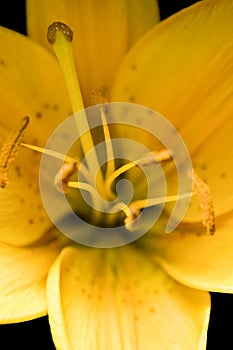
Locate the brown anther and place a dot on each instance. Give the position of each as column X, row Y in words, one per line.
column 131, row 220
column 160, row 157
column 63, row 176
column 63, row 28
column 9, row 150
column 204, row 197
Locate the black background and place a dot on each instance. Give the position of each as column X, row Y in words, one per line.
column 36, row 334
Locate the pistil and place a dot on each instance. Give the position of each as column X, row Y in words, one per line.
column 60, row 36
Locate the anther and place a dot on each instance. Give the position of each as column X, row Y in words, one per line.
column 203, row 193
column 160, row 157
column 131, row 220
column 58, row 26
column 9, row 150
column 63, row 176
column 148, row 159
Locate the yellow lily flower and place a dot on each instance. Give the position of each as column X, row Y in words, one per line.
column 152, row 293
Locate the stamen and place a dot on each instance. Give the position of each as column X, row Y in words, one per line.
column 9, row 150
column 82, row 186
column 131, row 220
column 99, row 96
column 61, row 156
column 131, row 214
column 149, row 202
column 133, row 210
column 203, row 193
column 63, row 176
column 89, row 188
column 52, row 153
column 153, row 157
column 109, row 150
column 60, row 37
column 150, row 158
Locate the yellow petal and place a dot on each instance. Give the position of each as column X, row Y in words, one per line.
column 213, row 162
column 103, row 32
column 23, row 218
column 23, row 274
column 183, row 68
column 197, row 260
column 31, row 83
column 116, row 299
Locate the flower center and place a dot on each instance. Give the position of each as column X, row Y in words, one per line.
column 93, row 188
column 60, row 37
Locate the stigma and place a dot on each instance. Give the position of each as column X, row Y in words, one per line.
column 58, row 26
